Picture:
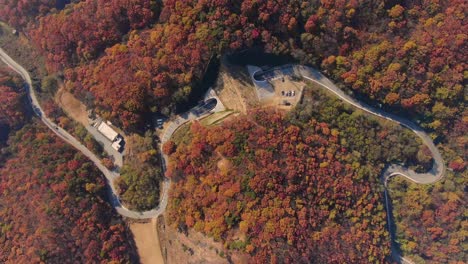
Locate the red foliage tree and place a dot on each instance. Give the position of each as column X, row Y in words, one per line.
column 80, row 33
column 291, row 192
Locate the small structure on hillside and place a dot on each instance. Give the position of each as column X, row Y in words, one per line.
column 117, row 144
column 105, row 129
column 264, row 89
column 281, row 85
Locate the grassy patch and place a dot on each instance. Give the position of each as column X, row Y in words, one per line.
column 180, row 135
column 216, row 118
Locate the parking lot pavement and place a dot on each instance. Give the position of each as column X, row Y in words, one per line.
column 107, row 145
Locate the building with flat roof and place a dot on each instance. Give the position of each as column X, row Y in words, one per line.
column 117, row 145
column 107, row 131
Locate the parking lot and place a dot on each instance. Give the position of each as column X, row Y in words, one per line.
column 279, row 87
column 287, row 92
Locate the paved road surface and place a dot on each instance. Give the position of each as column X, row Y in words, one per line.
column 434, row 175
column 110, row 175
column 438, row 168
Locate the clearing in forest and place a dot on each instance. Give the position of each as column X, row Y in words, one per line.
column 72, row 106
column 147, row 242
column 235, row 89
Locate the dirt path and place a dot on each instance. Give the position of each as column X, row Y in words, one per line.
column 147, row 242
column 72, row 106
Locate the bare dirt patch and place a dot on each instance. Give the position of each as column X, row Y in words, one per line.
column 147, row 242
column 224, row 165
column 193, row 247
column 237, row 92
column 287, row 93
column 235, row 89
column 72, row 106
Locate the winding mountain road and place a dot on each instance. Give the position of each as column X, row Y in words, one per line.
column 438, row 168
column 435, row 174
column 110, row 175
column 432, row 176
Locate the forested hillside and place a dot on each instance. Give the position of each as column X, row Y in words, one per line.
column 431, row 220
column 12, row 104
column 130, row 58
column 80, row 32
column 53, row 207
column 18, row 13
column 290, row 188
column 409, row 55
column 140, row 176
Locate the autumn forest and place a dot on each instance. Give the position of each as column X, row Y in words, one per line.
column 275, row 186
column 53, row 201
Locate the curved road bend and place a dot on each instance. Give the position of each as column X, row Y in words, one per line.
column 110, row 175
column 435, row 174
column 438, row 168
